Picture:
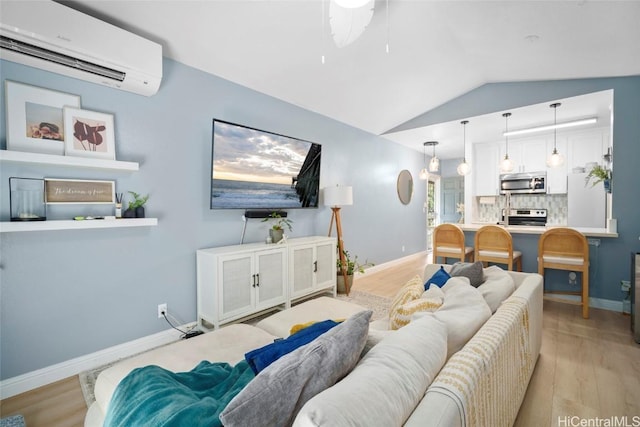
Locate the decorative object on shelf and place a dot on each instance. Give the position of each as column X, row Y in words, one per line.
column 89, row 134
column 555, row 159
column 424, row 174
column 60, row 191
column 460, row 210
column 597, row 174
column 26, row 198
column 35, row 120
column 351, row 265
column 118, row 205
column 506, row 165
column 404, row 187
column 136, row 206
column 276, row 232
column 464, row 168
column 336, row 197
column 434, row 163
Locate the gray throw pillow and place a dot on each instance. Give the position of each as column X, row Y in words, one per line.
column 470, row 270
column 274, row 397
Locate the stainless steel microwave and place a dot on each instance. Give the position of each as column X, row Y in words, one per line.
column 523, row 183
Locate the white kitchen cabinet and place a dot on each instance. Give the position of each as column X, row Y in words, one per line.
column 312, row 267
column 527, row 155
column 242, row 281
column 486, row 168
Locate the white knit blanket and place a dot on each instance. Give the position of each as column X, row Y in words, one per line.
column 488, row 378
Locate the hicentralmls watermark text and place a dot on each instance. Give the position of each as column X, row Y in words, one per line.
column 622, row 421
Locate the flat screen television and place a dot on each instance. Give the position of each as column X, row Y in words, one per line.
column 256, row 169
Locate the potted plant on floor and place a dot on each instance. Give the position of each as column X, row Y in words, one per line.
column 277, row 229
column 598, row 174
column 136, row 206
column 351, row 265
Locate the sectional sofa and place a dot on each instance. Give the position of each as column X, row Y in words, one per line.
column 466, row 361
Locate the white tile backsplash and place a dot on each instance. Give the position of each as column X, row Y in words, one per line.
column 555, row 204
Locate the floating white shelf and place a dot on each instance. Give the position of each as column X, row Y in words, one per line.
column 52, row 159
column 20, row 226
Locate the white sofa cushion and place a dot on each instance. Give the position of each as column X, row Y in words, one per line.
column 316, row 309
column 222, row 345
column 464, row 311
column 387, row 384
column 497, row 287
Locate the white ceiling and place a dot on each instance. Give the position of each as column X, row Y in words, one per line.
column 438, row 50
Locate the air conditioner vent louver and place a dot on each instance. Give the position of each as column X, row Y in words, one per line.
column 58, row 58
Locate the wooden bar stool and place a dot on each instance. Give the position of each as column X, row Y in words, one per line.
column 566, row 249
column 448, row 242
column 495, row 244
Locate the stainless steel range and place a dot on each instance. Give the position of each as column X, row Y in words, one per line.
column 528, row 217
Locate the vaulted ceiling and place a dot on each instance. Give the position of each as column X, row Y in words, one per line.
column 438, row 50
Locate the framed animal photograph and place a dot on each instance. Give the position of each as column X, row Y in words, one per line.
column 35, row 118
column 89, row 134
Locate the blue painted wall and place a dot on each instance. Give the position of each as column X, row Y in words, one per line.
column 65, row 294
column 69, row 293
column 611, row 260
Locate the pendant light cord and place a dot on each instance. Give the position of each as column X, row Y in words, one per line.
column 506, row 130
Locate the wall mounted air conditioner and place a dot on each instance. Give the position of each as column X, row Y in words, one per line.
column 56, row 38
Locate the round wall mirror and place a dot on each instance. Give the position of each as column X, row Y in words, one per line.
column 405, row 186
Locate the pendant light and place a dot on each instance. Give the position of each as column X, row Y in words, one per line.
column 423, row 173
column 506, row 165
column 434, row 164
column 555, row 159
column 464, row 168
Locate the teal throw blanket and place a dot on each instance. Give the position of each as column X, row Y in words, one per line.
column 152, row 396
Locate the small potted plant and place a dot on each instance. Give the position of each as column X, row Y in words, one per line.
column 136, row 206
column 277, row 229
column 350, row 265
column 598, row 174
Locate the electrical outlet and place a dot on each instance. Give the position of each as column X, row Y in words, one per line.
column 625, row 285
column 594, row 242
column 573, row 278
column 162, row 308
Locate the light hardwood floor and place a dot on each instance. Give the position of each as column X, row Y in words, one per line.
column 587, row 368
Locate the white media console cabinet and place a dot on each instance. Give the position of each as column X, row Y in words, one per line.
column 243, row 281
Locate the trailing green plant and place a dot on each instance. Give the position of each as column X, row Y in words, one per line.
column 279, row 221
column 596, row 175
column 138, row 200
column 351, row 264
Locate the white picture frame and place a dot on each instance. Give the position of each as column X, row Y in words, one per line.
column 89, row 134
column 35, row 118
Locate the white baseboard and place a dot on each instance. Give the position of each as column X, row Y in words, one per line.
column 604, row 304
column 31, row 380
column 393, row 263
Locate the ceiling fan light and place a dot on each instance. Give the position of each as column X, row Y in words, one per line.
column 351, row 4
column 507, row 164
column 464, row 168
column 424, row 174
column 434, row 164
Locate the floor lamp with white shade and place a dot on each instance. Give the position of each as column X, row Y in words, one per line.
column 337, row 197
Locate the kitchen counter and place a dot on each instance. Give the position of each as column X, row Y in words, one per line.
column 524, row 229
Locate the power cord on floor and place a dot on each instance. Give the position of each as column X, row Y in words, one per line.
column 185, row 334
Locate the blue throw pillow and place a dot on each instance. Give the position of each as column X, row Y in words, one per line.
column 262, row 357
column 439, row 278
